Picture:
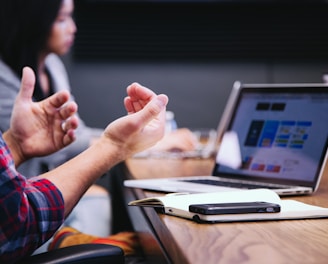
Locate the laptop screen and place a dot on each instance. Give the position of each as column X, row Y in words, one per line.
column 282, row 133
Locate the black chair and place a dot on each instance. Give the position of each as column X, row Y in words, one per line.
column 79, row 254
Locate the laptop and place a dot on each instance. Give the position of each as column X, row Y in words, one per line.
column 270, row 136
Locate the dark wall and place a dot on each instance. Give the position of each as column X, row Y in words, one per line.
column 192, row 52
column 201, row 30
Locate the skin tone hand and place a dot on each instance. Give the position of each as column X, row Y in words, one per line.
column 178, row 140
column 181, row 139
column 141, row 128
column 39, row 128
column 144, row 137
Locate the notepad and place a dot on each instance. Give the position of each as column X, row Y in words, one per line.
column 177, row 204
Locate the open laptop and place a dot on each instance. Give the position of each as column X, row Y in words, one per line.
column 270, row 136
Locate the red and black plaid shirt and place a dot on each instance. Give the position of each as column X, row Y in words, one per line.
column 31, row 210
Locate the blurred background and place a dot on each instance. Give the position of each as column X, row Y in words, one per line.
column 192, row 50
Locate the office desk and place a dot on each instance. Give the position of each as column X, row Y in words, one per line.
column 169, row 239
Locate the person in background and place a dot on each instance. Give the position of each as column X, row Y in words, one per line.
column 33, row 209
column 33, row 33
column 36, row 33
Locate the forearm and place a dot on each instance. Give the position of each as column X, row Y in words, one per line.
column 74, row 177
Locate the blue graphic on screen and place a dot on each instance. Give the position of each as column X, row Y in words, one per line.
column 291, row 134
column 269, row 133
column 281, row 136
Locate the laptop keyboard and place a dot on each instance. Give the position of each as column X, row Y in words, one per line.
column 232, row 184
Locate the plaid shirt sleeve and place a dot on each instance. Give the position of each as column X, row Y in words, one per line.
column 30, row 212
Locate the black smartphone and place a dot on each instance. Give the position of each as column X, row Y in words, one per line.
column 234, row 208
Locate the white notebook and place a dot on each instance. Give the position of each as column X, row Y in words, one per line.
column 177, row 204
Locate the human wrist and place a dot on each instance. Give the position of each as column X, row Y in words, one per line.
column 14, row 147
column 113, row 150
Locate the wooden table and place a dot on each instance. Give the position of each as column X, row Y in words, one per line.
column 169, row 239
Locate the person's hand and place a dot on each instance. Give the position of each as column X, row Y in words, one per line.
column 40, row 128
column 143, row 126
column 178, row 140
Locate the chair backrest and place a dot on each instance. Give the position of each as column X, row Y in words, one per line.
column 79, row 254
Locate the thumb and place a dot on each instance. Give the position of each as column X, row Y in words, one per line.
column 27, row 84
column 153, row 109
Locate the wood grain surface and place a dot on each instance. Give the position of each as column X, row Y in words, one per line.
column 290, row 241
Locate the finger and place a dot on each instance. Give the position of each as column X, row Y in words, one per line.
column 138, row 91
column 57, row 100
column 152, row 110
column 27, row 84
column 69, row 137
column 70, row 124
column 138, row 97
column 68, row 110
column 135, row 105
column 128, row 105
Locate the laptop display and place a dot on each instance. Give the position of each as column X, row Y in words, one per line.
column 282, row 133
column 280, row 137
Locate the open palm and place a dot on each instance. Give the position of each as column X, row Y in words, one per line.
column 37, row 126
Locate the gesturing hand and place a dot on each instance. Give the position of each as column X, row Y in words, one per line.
column 41, row 128
column 144, row 125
